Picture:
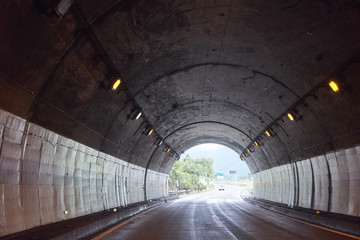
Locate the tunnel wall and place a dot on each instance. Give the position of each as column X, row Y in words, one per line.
column 42, row 174
column 329, row 183
column 156, row 184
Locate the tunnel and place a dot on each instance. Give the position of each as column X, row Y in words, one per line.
column 98, row 99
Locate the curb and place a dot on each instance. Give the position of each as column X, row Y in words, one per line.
column 343, row 223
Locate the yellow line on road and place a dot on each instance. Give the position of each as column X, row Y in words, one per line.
column 317, row 226
column 121, row 224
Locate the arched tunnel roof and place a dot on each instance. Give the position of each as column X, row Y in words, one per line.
column 200, row 71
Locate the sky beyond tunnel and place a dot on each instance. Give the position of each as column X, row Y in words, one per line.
column 224, row 158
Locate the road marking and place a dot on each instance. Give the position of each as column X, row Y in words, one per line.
column 121, row 224
column 317, row 226
column 217, row 221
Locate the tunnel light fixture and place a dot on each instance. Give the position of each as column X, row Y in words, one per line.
column 158, row 141
column 66, row 212
column 167, row 149
column 258, row 142
column 292, row 115
column 250, row 149
column 116, row 84
column 269, row 132
column 245, row 153
column 148, row 131
column 138, row 115
column 135, row 114
column 334, row 85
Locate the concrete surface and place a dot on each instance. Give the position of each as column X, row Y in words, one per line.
column 200, row 71
column 344, row 223
column 81, row 227
column 47, row 178
column 327, row 183
column 216, row 215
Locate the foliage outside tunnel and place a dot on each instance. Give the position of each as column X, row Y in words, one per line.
column 192, row 174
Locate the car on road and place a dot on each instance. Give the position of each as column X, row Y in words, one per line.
column 221, row 188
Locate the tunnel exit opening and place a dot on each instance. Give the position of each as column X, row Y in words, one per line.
column 207, row 167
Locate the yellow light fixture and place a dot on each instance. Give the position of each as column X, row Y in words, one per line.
column 250, row 149
column 269, row 132
column 334, row 86
column 258, row 142
column 290, row 116
column 116, row 84
column 148, row 130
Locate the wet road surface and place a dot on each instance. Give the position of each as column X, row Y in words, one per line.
column 215, row 215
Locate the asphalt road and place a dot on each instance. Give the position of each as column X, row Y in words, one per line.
column 216, row 215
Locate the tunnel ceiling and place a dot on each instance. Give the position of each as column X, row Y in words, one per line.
column 201, row 71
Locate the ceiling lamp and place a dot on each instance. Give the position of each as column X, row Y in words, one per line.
column 335, row 85
column 148, row 131
column 269, row 132
column 158, row 141
column 167, row 149
column 292, row 116
column 135, row 114
column 116, row 83
column 250, row 149
column 258, row 142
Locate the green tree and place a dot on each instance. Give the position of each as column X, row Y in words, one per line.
column 189, row 172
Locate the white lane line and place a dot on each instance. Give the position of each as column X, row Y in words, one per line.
column 218, row 221
column 220, row 224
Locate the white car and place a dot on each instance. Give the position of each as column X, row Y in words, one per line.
column 221, row 188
